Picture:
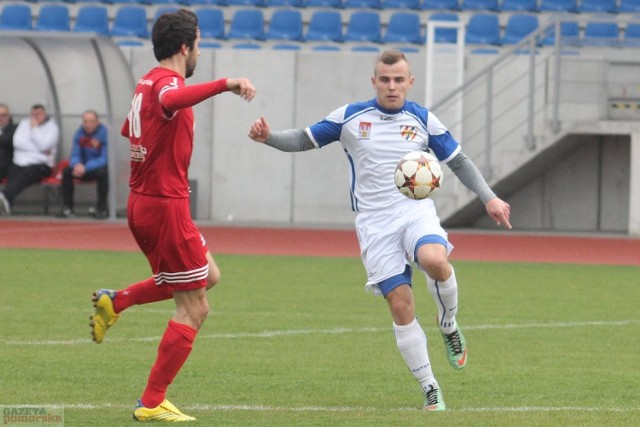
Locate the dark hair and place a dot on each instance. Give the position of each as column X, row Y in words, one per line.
column 37, row 107
column 171, row 31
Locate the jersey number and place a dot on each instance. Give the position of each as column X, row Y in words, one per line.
column 135, row 128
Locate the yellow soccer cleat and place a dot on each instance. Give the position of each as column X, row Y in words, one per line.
column 164, row 412
column 104, row 315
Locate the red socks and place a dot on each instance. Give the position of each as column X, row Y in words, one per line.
column 174, row 349
column 140, row 293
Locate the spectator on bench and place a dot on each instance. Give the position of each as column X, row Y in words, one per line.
column 35, row 143
column 7, row 128
column 88, row 162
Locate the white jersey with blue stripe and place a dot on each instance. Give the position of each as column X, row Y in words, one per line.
column 374, row 139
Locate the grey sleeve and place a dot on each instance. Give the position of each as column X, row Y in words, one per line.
column 291, row 141
column 470, row 176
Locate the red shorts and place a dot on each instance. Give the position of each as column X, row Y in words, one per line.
column 176, row 250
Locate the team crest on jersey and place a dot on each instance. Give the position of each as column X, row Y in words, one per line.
column 409, row 132
column 364, row 130
column 138, row 153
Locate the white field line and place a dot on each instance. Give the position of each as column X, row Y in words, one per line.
column 335, row 331
column 266, row 408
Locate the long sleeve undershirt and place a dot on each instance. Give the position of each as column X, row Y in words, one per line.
column 188, row 96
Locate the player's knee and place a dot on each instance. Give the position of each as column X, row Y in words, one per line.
column 438, row 269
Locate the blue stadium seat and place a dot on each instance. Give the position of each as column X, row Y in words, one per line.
column 483, row 28
column 629, row 6
column 211, row 23
column 15, row 17
column 130, row 21
column 337, row 4
column 632, row 35
column 247, row 24
column 285, row 24
column 364, row 26
column 591, row 6
column 403, row 27
column 208, row 2
column 326, row 48
column 53, row 17
column 569, row 34
column 247, row 46
column 325, row 25
column 285, row 3
column 120, row 2
column 519, row 5
column 362, row 4
column 601, row 34
column 255, row 3
column 92, row 19
column 518, row 27
column 558, row 5
column 401, row 4
column 445, row 35
column 440, row 4
column 479, row 5
column 365, row 48
column 287, row 46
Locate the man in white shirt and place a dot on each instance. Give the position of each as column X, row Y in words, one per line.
column 393, row 231
column 35, row 143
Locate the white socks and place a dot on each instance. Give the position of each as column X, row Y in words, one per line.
column 446, row 296
column 412, row 343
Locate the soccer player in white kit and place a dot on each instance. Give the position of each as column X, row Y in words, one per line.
column 393, row 231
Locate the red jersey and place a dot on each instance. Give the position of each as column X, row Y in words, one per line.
column 160, row 128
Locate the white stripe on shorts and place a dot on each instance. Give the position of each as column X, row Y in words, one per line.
column 183, row 276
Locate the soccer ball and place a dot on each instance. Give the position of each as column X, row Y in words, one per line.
column 418, row 175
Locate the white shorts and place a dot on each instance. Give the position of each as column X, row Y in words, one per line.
column 388, row 239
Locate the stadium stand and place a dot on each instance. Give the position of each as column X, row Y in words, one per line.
column 362, row 4
column 16, row 17
column 247, row 24
column 518, row 27
column 130, row 21
column 404, row 27
column 629, row 6
column 211, row 23
column 285, row 3
column 569, row 34
column 631, row 36
column 558, row 5
column 519, row 5
column 92, row 19
column 483, row 28
column 479, row 5
column 401, row 4
column 285, row 24
column 337, row 4
column 255, row 3
column 591, row 6
column 325, row 25
column 440, row 5
column 53, row 17
column 364, row 26
column 601, row 34
column 445, row 35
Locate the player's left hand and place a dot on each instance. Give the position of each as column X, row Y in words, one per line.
column 499, row 211
column 243, row 87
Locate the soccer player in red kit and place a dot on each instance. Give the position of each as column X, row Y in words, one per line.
column 160, row 129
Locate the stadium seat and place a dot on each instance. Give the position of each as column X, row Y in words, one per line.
column 483, row 28
column 325, row 25
column 285, row 3
column 601, row 34
column 130, row 21
column 362, row 4
column 569, row 34
column 519, row 5
column 445, row 35
column 211, row 23
column 208, row 2
column 92, row 19
column 337, row 4
column 629, row 6
column 591, row 6
column 401, row 4
column 365, row 48
column 247, row 24
column 287, row 46
column 255, row 3
column 558, row 5
column 247, row 46
column 479, row 5
column 53, row 17
column 285, row 24
column 632, row 35
column 440, row 4
column 403, row 27
column 518, row 27
column 15, row 17
column 120, row 2
column 364, row 26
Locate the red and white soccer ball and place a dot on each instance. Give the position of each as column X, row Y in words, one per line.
column 418, row 175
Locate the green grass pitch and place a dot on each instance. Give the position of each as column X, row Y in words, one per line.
column 296, row 341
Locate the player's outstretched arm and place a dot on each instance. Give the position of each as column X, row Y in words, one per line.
column 499, row 211
column 242, row 87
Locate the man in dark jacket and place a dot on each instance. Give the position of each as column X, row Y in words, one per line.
column 7, row 128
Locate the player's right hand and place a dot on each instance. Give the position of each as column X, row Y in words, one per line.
column 259, row 130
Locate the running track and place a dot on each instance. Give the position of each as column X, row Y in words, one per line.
column 506, row 246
